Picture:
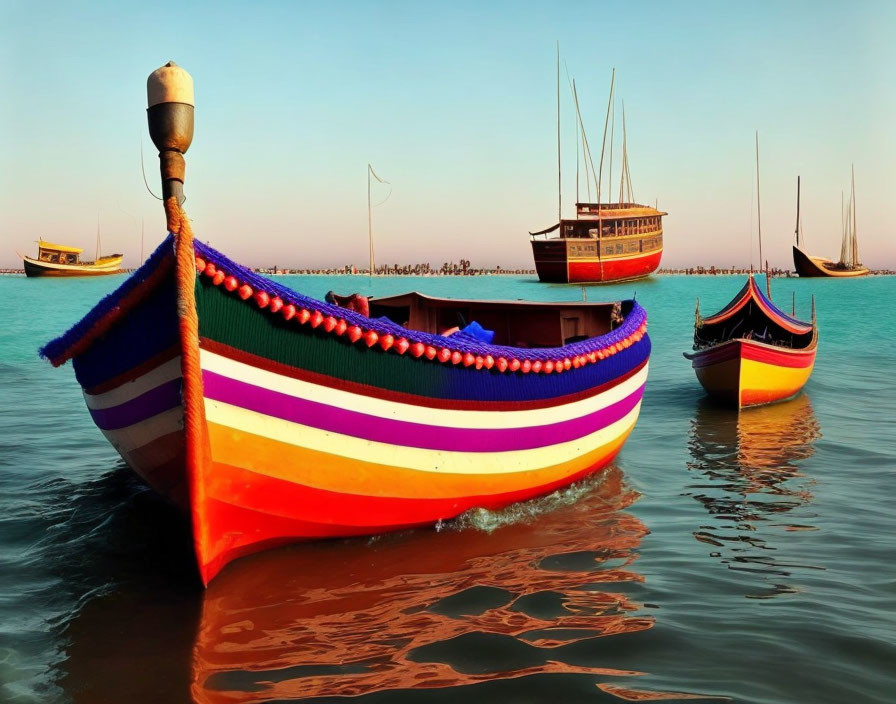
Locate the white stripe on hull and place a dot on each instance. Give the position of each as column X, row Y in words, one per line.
column 133, row 437
column 132, row 389
column 426, row 460
column 443, row 418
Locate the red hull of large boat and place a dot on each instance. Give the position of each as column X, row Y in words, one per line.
column 607, row 270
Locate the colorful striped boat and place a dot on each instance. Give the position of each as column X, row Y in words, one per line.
column 751, row 352
column 270, row 417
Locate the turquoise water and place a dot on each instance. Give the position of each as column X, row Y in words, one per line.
column 748, row 558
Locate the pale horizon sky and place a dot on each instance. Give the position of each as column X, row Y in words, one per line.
column 454, row 104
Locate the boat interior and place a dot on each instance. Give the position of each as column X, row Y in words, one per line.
column 523, row 324
column 749, row 323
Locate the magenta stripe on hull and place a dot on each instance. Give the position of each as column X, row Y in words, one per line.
column 162, row 398
column 401, row 433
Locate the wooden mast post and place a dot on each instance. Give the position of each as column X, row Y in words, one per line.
column 169, row 93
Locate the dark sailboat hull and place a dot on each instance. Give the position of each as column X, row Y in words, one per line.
column 808, row 266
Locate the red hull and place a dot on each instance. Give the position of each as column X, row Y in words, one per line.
column 607, row 270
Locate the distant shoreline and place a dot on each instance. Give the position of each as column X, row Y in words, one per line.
column 688, row 271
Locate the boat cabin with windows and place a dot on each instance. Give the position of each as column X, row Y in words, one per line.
column 606, row 242
column 58, row 253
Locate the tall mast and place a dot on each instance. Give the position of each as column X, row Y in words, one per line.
column 797, row 229
column 370, row 221
column 96, row 257
column 855, row 240
column 600, row 172
column 759, row 215
column 612, row 139
column 586, row 150
column 559, row 172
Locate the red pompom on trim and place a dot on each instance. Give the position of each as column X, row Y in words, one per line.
column 401, row 345
column 303, row 316
column 200, row 264
column 536, row 366
column 488, row 362
column 316, row 319
column 468, row 359
column 341, row 327
column 370, row 338
column 576, row 362
column 502, row 364
column 456, row 357
column 262, row 299
column 417, row 349
column 444, row 354
column 245, row 292
column 592, row 357
column 218, row 278
column 548, row 366
column 480, row 362
column 288, row 312
column 230, row 283
column 354, row 333
column 329, row 323
column 567, row 363
column 514, row 364
column 430, row 352
column 386, row 341
column 276, row 304
column 210, row 269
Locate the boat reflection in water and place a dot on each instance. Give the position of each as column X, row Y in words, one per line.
column 750, row 461
column 543, row 587
column 425, row 610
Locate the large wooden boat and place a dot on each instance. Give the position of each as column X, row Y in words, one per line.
column 751, row 352
column 606, row 242
column 62, row 260
column 270, row 416
column 849, row 265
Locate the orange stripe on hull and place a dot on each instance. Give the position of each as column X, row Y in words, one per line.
column 286, row 493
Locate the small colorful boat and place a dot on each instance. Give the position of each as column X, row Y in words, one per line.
column 751, row 352
column 270, row 416
column 62, row 260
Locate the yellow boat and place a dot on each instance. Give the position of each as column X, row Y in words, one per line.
column 62, row 260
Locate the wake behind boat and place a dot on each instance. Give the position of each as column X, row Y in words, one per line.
column 270, row 416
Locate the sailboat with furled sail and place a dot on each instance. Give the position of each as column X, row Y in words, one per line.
column 605, row 242
column 849, row 265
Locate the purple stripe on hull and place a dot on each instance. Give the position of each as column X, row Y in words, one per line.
column 395, row 432
column 162, row 398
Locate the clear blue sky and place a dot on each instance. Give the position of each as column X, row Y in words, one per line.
column 454, row 103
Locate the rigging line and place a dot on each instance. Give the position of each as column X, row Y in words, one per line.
column 625, row 162
column 587, row 158
column 612, row 138
column 586, row 152
column 381, row 180
column 758, row 205
column 604, row 143
column 569, row 81
column 143, row 171
column 559, row 169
